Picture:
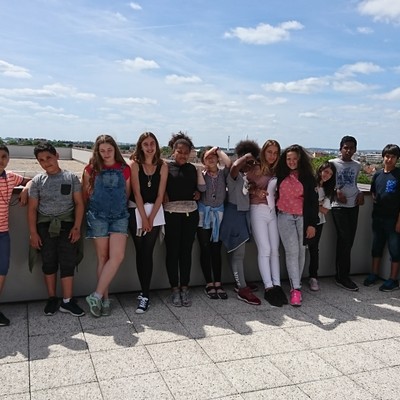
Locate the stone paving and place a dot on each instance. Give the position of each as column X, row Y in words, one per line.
column 338, row 345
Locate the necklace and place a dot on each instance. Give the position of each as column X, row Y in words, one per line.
column 149, row 176
column 214, row 184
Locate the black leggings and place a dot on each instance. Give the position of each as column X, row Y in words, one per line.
column 210, row 256
column 180, row 231
column 144, row 246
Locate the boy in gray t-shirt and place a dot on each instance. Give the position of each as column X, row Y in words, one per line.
column 55, row 214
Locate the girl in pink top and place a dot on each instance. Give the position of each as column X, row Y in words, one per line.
column 297, row 212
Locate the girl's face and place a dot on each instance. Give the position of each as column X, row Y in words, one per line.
column 271, row 154
column 181, row 154
column 149, row 146
column 107, row 153
column 211, row 162
column 326, row 174
column 292, row 160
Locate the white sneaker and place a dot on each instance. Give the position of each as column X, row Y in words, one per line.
column 314, row 286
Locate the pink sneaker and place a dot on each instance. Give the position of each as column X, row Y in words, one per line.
column 295, row 297
column 245, row 294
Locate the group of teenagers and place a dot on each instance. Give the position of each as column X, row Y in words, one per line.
column 271, row 195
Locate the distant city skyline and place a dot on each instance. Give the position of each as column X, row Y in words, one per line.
column 299, row 71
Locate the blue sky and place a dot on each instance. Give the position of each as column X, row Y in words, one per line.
column 298, row 71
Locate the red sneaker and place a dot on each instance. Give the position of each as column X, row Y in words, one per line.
column 245, row 294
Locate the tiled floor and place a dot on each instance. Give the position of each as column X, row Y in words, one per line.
column 338, row 345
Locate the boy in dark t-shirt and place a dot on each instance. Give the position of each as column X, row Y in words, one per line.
column 385, row 190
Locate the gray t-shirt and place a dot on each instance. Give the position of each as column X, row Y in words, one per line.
column 55, row 192
column 238, row 192
column 346, row 180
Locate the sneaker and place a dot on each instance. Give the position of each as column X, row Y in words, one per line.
column 273, row 297
column 4, row 321
column 389, row 285
column 295, row 298
column 253, row 287
column 72, row 308
column 143, row 305
column 281, row 294
column 371, row 279
column 51, row 306
column 185, row 297
column 347, row 284
column 176, row 298
column 106, row 308
column 246, row 294
column 94, row 304
column 314, row 285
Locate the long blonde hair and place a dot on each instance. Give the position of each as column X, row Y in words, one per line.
column 267, row 169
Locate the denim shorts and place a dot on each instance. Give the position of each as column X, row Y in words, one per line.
column 102, row 227
column 5, row 253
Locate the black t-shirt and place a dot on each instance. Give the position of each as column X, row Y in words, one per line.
column 182, row 181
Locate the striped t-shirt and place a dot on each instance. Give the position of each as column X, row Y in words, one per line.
column 8, row 181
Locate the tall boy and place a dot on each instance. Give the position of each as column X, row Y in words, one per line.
column 55, row 213
column 385, row 190
column 8, row 180
column 345, row 207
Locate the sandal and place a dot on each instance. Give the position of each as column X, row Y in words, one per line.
column 210, row 292
column 221, row 292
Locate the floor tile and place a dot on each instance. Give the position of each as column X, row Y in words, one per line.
column 200, row 382
column 56, row 345
column 61, row 371
column 382, row 384
column 14, row 343
column 113, row 337
column 334, row 389
column 88, row 391
column 123, row 362
column 303, row 366
column 148, row 387
column 206, row 326
column 249, row 322
column 14, row 378
column 387, row 350
column 253, row 374
column 174, row 355
column 158, row 332
column 282, row 393
column 350, row 359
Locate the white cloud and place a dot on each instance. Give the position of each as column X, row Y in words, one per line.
column 14, row 71
column 365, row 30
column 176, row 79
column 392, row 95
column 135, row 6
column 128, row 101
column 264, row 33
column 308, row 115
column 267, row 100
column 381, row 10
column 138, row 64
column 351, row 86
column 365, row 68
column 305, row 86
column 202, row 98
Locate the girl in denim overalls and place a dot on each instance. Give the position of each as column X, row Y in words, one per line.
column 106, row 183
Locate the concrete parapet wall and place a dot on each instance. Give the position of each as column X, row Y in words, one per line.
column 22, row 285
column 27, row 152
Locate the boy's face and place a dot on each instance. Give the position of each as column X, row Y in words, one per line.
column 389, row 161
column 348, row 149
column 4, row 158
column 49, row 162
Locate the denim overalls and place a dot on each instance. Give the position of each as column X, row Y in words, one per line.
column 107, row 208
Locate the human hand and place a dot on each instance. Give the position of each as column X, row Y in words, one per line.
column 310, row 232
column 74, row 234
column 35, row 241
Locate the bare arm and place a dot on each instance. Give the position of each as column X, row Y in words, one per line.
column 34, row 240
column 239, row 164
column 160, row 194
column 75, row 232
column 135, row 184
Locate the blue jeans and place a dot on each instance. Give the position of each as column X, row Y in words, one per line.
column 290, row 228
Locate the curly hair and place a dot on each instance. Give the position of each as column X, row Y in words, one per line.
column 304, row 166
column 138, row 154
column 180, row 138
column 247, row 146
column 267, row 169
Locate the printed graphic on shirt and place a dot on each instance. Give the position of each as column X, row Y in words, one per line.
column 346, row 177
column 391, row 186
